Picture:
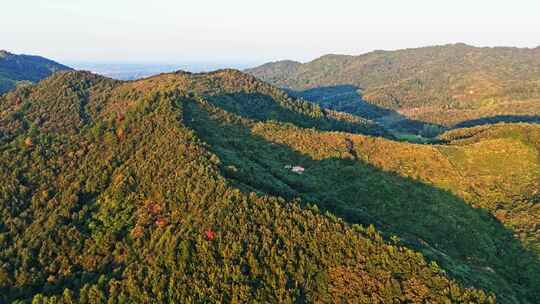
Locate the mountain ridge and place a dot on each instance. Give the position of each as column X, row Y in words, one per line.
column 111, row 196
column 16, row 70
column 440, row 85
column 136, row 133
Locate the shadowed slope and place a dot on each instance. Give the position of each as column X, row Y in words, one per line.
column 114, row 205
column 24, row 69
column 469, row 243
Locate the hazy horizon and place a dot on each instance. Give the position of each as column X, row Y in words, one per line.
column 130, row 71
column 241, row 31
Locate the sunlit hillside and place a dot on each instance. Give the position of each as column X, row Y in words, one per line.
column 115, row 191
column 446, row 86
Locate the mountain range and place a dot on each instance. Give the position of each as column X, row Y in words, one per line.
column 429, row 89
column 221, row 187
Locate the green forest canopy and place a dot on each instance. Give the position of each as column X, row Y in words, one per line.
column 111, row 190
column 448, row 86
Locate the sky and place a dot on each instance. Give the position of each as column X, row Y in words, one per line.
column 255, row 31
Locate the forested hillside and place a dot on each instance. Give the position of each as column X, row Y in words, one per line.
column 473, row 209
column 18, row 70
column 217, row 187
column 446, row 86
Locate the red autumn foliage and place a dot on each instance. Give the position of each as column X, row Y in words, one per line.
column 209, row 234
column 160, row 222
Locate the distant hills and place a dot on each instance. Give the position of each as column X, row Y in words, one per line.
column 446, row 86
column 179, row 188
column 16, row 70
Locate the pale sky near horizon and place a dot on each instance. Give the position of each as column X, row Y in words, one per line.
column 169, row 31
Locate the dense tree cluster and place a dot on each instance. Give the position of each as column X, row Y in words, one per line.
column 171, row 189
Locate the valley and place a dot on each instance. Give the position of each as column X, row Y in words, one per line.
column 431, row 89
